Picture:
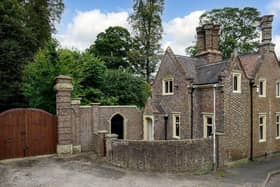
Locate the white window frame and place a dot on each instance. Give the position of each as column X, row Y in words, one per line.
column 164, row 87
column 263, row 89
column 277, row 89
column 174, row 116
column 205, row 123
column 263, row 124
column 238, row 76
column 277, row 123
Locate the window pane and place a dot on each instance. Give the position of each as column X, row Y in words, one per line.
column 177, row 129
column 209, row 130
column 277, row 119
column 277, row 89
column 177, row 119
column 261, row 120
column 277, row 130
column 166, row 86
column 235, row 82
column 261, row 132
column 261, row 88
column 209, row 120
column 171, row 86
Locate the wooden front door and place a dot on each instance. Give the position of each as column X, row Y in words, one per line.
column 27, row 132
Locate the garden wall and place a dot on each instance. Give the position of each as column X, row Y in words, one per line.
column 161, row 155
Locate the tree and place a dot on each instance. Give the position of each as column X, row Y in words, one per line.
column 147, row 27
column 112, row 46
column 25, row 26
column 127, row 88
column 239, row 28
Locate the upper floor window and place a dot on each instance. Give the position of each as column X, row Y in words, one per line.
column 278, row 126
column 236, row 82
column 168, row 86
column 176, row 125
column 207, row 125
column 262, row 88
column 278, row 89
column 262, row 128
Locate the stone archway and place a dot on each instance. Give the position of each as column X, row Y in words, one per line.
column 117, row 126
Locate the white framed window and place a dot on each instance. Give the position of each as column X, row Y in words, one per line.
column 176, row 125
column 208, row 125
column 262, row 88
column 168, row 86
column 277, row 89
column 236, row 82
column 262, row 128
column 277, row 125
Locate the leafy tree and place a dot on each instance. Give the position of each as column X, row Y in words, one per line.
column 146, row 23
column 39, row 76
column 239, row 28
column 127, row 88
column 112, row 46
column 16, row 48
column 93, row 82
column 25, row 26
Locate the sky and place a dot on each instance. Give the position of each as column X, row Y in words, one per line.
column 82, row 20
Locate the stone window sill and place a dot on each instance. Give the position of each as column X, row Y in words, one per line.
column 277, row 138
column 262, row 141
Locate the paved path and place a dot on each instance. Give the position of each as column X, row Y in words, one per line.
column 87, row 170
column 253, row 172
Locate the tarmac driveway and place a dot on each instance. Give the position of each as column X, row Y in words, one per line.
column 87, row 170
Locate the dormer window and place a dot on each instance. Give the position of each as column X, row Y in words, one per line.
column 168, row 86
column 262, row 88
column 236, row 82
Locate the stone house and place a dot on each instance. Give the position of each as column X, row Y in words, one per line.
column 240, row 96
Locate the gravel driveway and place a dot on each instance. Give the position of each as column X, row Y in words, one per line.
column 87, row 170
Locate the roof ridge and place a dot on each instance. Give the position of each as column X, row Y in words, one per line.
column 216, row 63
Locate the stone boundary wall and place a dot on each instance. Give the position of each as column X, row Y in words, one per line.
column 161, row 155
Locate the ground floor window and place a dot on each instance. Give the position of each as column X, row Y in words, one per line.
column 176, row 125
column 208, row 125
column 262, row 128
column 278, row 126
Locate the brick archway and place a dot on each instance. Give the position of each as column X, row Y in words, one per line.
column 117, row 125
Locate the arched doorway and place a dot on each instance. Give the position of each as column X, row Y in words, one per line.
column 117, row 125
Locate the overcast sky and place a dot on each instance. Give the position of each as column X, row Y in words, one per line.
column 82, row 20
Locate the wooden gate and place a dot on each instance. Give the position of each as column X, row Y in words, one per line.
column 27, row 132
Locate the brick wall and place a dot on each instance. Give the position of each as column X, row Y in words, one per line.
column 171, row 103
column 171, row 155
column 269, row 69
column 236, row 115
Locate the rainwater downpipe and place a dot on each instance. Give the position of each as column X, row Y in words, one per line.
column 214, row 127
column 165, row 126
column 192, row 112
column 251, row 122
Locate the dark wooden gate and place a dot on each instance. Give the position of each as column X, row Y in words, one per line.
column 27, row 132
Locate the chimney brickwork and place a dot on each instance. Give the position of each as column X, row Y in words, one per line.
column 208, row 43
column 266, row 32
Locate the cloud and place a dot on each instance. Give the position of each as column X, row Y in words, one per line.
column 180, row 32
column 84, row 28
column 274, row 7
column 276, row 40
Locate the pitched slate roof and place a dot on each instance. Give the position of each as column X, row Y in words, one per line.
column 208, row 74
column 200, row 70
column 250, row 63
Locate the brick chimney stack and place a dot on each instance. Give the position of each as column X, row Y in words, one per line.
column 208, row 43
column 266, row 29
